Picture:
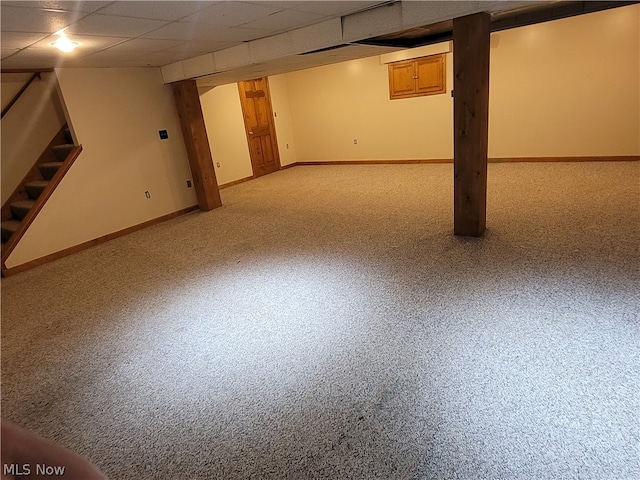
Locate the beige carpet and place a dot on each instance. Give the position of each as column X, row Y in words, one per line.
column 326, row 323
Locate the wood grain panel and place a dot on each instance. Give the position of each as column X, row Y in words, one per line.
column 196, row 142
column 471, row 42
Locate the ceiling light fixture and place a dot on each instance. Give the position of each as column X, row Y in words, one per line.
column 65, row 45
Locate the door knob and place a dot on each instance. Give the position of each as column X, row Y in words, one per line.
column 250, row 133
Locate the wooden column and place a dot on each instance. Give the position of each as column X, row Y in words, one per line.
column 185, row 94
column 471, row 42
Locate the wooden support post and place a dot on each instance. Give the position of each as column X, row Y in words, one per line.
column 471, row 42
column 185, row 94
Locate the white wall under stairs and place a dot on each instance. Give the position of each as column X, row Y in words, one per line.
column 28, row 127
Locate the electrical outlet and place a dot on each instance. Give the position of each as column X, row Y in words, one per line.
column 147, row 194
column 287, row 146
column 163, row 134
column 355, row 141
column 188, row 183
column 218, row 164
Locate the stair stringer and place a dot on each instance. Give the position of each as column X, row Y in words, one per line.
column 8, row 248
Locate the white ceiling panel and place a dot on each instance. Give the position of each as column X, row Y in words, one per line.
column 20, row 39
column 8, row 51
column 86, row 43
column 166, row 10
column 72, row 6
column 244, row 37
column 285, row 19
column 146, row 45
column 332, row 8
column 233, row 13
column 109, row 25
column 199, row 47
column 187, row 32
column 34, row 20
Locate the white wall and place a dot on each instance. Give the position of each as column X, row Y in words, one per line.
column 567, row 88
column 116, row 115
column 557, row 89
column 28, row 127
column 279, row 90
column 225, row 129
column 11, row 85
column 335, row 105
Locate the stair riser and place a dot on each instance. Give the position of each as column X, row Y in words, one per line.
column 34, row 192
column 19, row 213
column 6, row 235
column 48, row 172
column 62, row 151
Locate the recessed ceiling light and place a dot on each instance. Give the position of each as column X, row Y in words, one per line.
column 65, row 45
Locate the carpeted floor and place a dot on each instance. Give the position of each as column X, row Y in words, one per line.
column 326, row 324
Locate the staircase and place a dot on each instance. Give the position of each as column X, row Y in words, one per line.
column 35, row 189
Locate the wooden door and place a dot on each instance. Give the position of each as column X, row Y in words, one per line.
column 259, row 125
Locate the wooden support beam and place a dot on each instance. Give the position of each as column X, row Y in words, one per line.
column 185, row 94
column 471, row 42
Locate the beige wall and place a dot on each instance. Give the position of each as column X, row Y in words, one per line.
column 557, row 89
column 28, row 127
column 116, row 115
column 567, row 88
column 279, row 90
column 225, row 128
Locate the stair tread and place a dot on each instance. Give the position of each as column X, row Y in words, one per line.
column 24, row 204
column 51, row 164
column 11, row 224
column 37, row 183
column 64, row 146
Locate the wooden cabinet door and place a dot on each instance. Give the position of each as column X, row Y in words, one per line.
column 259, row 126
column 430, row 73
column 402, row 82
column 417, row 77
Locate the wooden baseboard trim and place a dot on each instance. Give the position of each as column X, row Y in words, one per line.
column 92, row 243
column 378, row 162
column 621, row 158
column 284, row 167
column 235, row 182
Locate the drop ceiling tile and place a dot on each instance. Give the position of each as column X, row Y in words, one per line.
column 201, row 47
column 86, row 43
column 17, row 19
column 35, row 58
column 145, row 45
column 285, row 19
column 242, row 34
column 186, row 31
column 108, row 25
column 20, row 39
column 334, row 8
column 203, row 32
column 75, row 6
column 7, row 52
column 280, row 5
column 163, row 58
column 232, row 14
column 165, row 10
